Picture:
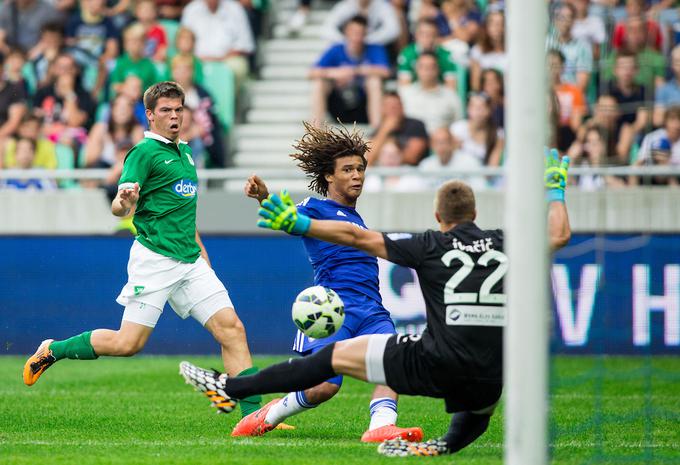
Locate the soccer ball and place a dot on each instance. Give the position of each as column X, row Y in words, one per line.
column 318, row 312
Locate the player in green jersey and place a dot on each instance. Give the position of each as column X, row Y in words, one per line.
column 168, row 262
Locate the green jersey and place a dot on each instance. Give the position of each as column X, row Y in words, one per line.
column 406, row 63
column 165, row 217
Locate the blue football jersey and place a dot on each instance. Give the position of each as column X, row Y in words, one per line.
column 344, row 269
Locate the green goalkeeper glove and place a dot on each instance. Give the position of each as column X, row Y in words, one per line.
column 555, row 175
column 280, row 213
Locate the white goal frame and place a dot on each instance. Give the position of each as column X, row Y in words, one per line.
column 526, row 333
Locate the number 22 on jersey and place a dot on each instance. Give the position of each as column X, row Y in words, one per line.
column 484, row 296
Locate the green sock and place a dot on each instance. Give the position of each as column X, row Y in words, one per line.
column 252, row 403
column 76, row 347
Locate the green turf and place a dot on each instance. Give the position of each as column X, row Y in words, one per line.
column 138, row 411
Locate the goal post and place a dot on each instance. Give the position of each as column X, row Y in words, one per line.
column 526, row 333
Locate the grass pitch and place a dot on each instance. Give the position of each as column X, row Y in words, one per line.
column 139, row 411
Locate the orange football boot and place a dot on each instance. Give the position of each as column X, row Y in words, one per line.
column 254, row 424
column 387, row 432
column 37, row 363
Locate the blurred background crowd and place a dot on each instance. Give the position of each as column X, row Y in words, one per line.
column 425, row 77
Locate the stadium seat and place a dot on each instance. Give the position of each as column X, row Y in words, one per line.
column 170, row 27
column 462, row 78
column 66, row 160
column 28, row 73
column 218, row 79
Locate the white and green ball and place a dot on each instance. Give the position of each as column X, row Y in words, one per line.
column 318, row 312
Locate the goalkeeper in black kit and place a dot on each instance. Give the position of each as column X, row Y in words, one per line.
column 459, row 357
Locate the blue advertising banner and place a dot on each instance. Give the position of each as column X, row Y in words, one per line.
column 616, row 294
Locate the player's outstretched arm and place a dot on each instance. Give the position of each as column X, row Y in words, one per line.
column 556, row 171
column 278, row 212
column 344, row 233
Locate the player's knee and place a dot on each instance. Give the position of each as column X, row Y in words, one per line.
column 128, row 348
column 229, row 328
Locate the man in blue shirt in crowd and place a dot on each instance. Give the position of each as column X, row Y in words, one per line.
column 347, row 79
column 334, row 160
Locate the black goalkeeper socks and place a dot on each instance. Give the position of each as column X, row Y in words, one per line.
column 294, row 375
column 465, row 428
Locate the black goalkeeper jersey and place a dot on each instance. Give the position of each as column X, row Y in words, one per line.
column 461, row 277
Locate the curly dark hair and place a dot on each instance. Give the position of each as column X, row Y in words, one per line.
column 318, row 149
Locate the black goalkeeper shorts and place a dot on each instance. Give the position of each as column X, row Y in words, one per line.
column 407, row 369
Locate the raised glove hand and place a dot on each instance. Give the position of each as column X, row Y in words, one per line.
column 555, row 175
column 279, row 212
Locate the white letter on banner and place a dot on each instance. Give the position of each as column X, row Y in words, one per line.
column 644, row 304
column 575, row 326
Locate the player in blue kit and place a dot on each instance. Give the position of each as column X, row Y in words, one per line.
column 334, row 161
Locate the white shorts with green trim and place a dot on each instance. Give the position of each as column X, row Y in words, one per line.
column 192, row 289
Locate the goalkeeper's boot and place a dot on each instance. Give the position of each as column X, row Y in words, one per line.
column 255, row 424
column 401, row 448
column 211, row 383
column 40, row 361
column 387, row 432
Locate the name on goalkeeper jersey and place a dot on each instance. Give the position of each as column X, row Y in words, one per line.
column 481, row 245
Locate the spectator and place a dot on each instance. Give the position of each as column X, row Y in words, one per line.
column 445, row 157
column 391, row 156
column 92, row 36
column 119, row 12
column 651, row 64
column 660, row 155
column 670, row 131
column 636, row 9
column 184, row 44
column 347, row 79
column 222, row 33
column 493, row 86
column 631, row 97
column 459, row 27
column 66, row 108
column 121, row 127
column 25, row 155
column 578, row 55
column 21, row 22
column 46, row 51
column 618, row 138
column 489, row 53
column 427, row 100
column 572, row 102
column 382, row 22
column 133, row 90
column 14, row 66
column 588, row 27
column 593, row 153
column 426, row 41
column 45, row 151
column 668, row 94
column 92, row 39
column 459, row 23
column 133, row 61
column 410, row 134
column 205, row 122
column 12, row 106
column 156, row 43
column 478, row 136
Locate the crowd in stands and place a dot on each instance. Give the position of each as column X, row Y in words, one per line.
column 74, row 73
column 613, row 69
column 427, row 76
